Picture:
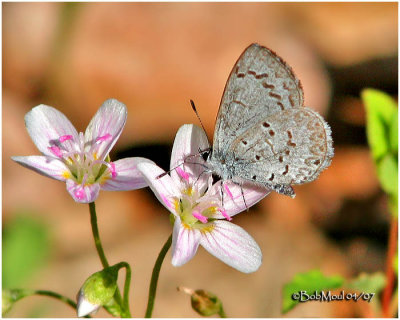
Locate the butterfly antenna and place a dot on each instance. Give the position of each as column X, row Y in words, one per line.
column 169, row 171
column 198, row 117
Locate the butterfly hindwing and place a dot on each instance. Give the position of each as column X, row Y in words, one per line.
column 290, row 147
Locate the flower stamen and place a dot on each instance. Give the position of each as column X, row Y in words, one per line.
column 80, row 194
column 225, row 214
column 228, row 191
column 65, row 138
column 184, row 175
column 113, row 170
column 103, row 138
column 56, row 151
column 200, row 217
column 166, row 201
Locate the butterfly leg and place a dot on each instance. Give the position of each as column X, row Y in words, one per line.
column 200, row 176
column 244, row 199
column 222, row 193
column 241, row 190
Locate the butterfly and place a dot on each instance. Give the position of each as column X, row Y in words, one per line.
column 263, row 133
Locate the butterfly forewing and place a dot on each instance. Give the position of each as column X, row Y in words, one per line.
column 260, row 85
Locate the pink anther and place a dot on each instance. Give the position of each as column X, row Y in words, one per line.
column 113, row 170
column 166, row 201
column 182, row 173
column 228, row 191
column 56, row 151
column 225, row 214
column 103, row 138
column 80, row 194
column 200, row 217
column 65, row 138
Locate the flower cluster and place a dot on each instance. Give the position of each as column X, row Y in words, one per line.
column 202, row 210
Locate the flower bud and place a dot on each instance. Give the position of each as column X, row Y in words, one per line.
column 97, row 291
column 203, row 302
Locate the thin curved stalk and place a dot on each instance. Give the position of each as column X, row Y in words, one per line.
column 100, row 251
column 154, row 277
column 52, row 294
column 127, row 284
column 96, row 236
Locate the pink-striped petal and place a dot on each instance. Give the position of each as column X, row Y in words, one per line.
column 188, row 141
column 185, row 242
column 46, row 125
column 47, row 166
column 105, row 127
column 164, row 187
column 126, row 175
column 233, row 202
column 83, row 194
column 232, row 245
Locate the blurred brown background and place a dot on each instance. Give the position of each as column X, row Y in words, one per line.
column 154, row 57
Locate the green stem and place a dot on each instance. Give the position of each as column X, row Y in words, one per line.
column 127, row 284
column 102, row 256
column 96, row 236
column 154, row 277
column 56, row 296
column 52, row 294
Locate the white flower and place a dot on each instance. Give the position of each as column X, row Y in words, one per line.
column 81, row 160
column 200, row 214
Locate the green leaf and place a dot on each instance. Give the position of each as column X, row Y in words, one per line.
column 25, row 248
column 394, row 128
column 309, row 282
column 387, row 174
column 368, row 283
column 393, row 205
column 381, row 112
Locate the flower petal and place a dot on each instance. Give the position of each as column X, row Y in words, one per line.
column 84, row 307
column 188, row 141
column 83, row 194
column 46, row 125
column 128, row 177
column 47, row 166
column 105, row 127
column 233, row 202
column 233, row 245
column 164, row 188
column 185, row 242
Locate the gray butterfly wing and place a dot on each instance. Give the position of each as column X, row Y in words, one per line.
column 260, row 85
column 285, row 148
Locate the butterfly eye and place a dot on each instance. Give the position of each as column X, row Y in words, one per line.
column 205, row 154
